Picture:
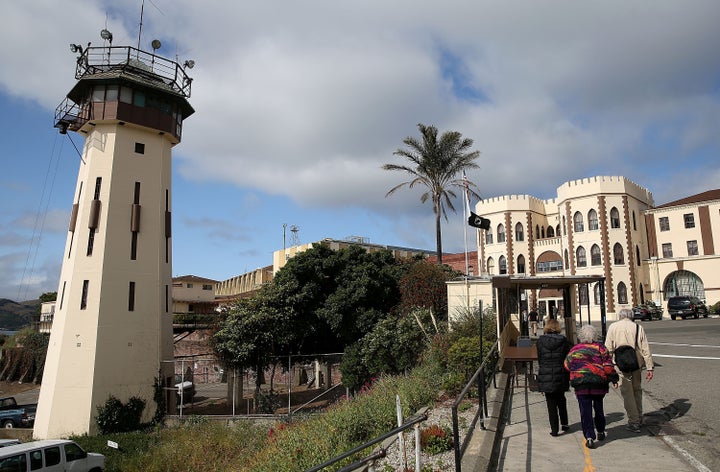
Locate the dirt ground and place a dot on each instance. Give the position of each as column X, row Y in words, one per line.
column 8, row 389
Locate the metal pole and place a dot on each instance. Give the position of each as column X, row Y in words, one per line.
column 182, row 386
column 234, row 381
column 401, row 442
column 418, row 459
column 289, row 382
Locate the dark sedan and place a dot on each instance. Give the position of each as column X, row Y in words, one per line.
column 647, row 312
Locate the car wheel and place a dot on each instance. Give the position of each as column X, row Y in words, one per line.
column 8, row 424
column 672, row 317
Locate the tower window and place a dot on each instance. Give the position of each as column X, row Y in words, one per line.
column 131, row 297
column 140, row 148
column 84, row 296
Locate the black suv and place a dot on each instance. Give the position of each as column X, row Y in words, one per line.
column 686, row 306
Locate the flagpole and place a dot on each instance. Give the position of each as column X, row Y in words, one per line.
column 466, row 215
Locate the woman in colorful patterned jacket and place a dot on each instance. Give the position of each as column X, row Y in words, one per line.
column 591, row 369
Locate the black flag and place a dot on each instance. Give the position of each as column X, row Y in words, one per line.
column 478, row 221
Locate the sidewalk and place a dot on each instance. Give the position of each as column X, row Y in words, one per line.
column 527, row 445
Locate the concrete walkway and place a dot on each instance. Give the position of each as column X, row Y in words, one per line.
column 518, row 438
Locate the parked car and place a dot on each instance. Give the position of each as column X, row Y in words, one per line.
column 50, row 455
column 185, row 390
column 647, row 312
column 16, row 418
column 686, row 306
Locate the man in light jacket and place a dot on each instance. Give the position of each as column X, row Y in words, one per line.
column 622, row 333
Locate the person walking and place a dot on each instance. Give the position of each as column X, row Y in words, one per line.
column 591, row 368
column 625, row 332
column 533, row 319
column 552, row 379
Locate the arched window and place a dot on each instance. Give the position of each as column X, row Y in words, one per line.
column 614, row 218
column 578, row 220
column 637, row 255
column 557, row 230
column 488, row 237
column 592, row 220
column 502, row 265
column 537, row 232
column 519, row 232
column 501, row 233
column 634, row 222
column 595, row 257
column 580, row 258
column 542, row 232
column 618, row 256
column 564, row 226
column 596, row 293
column 550, row 232
column 490, row 265
column 622, row 293
column 567, row 260
column 683, row 282
column 521, row 264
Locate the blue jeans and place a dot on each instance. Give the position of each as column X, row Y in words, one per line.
column 589, row 404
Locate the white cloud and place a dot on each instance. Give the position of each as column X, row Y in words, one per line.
column 307, row 100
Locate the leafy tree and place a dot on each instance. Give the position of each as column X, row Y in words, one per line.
column 335, row 297
column 252, row 333
column 436, row 164
column 423, row 285
column 48, row 297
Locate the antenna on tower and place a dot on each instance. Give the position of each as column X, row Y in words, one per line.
column 295, row 240
column 142, row 10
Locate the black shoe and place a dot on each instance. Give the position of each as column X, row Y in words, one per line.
column 634, row 428
column 601, row 436
column 553, row 434
column 590, row 443
column 565, row 428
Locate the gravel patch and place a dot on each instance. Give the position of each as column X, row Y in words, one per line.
column 440, row 414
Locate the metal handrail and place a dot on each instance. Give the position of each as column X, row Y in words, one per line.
column 376, row 455
column 290, row 413
column 479, row 377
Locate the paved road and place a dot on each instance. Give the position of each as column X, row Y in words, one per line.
column 686, row 383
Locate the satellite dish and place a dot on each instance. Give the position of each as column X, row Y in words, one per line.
column 156, row 44
column 106, row 35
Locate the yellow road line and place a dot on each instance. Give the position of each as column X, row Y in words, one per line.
column 589, row 467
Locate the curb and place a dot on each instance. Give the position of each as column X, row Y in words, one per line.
column 484, row 448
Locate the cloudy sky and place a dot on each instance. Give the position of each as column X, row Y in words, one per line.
column 299, row 104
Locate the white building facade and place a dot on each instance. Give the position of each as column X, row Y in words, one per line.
column 594, row 226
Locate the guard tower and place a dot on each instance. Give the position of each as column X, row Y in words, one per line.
column 112, row 332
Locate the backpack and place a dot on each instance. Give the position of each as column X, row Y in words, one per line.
column 625, row 356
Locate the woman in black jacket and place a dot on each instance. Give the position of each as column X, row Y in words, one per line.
column 553, row 380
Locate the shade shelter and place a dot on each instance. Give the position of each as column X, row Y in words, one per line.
column 510, row 289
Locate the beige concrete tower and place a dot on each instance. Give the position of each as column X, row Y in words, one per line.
column 112, row 332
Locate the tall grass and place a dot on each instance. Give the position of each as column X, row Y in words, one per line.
column 302, row 444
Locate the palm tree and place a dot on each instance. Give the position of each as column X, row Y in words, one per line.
column 436, row 165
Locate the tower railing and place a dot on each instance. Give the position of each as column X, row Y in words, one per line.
column 161, row 71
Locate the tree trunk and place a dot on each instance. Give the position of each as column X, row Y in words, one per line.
column 438, row 233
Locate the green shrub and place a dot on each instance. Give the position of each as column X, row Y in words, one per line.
column 116, row 417
column 266, row 402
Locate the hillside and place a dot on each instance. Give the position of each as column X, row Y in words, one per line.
column 15, row 316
